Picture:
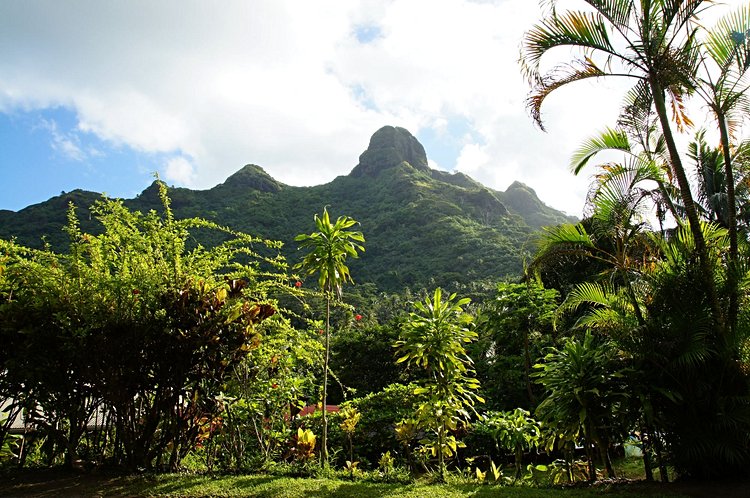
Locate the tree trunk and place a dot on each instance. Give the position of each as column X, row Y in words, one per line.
column 324, row 439
column 606, row 460
column 663, row 475
column 527, row 366
column 646, row 451
column 592, row 464
column 441, row 457
column 519, row 459
column 732, row 222
column 588, row 444
column 687, row 199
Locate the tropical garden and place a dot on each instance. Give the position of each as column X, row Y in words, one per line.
column 622, row 351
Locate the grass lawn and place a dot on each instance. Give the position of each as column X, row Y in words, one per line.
column 51, row 483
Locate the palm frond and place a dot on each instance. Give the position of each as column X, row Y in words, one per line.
column 609, row 139
column 678, row 12
column 679, row 110
column 584, row 30
column 617, row 12
column 710, row 176
column 637, row 116
column 562, row 241
column 620, row 195
column 696, row 348
column 728, row 42
column 566, row 234
column 558, row 77
column 680, row 248
column 607, row 308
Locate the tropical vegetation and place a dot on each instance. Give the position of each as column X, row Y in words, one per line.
column 163, row 343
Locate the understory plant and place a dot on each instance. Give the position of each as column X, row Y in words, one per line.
column 514, row 431
column 434, row 339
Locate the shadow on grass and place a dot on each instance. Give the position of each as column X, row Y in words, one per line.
column 55, row 482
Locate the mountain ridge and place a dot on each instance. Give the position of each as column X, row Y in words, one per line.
column 423, row 226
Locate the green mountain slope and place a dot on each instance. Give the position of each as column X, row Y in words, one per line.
column 423, row 227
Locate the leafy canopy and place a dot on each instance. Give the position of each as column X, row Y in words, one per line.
column 329, row 248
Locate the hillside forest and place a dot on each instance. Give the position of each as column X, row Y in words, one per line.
column 401, row 321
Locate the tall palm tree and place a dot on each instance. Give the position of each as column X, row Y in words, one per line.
column 723, row 84
column 713, row 191
column 651, row 41
column 329, row 248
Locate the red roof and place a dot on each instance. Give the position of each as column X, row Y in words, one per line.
column 312, row 408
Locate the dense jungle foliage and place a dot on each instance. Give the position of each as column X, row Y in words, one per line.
column 159, row 342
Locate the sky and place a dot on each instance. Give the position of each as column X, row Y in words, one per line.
column 103, row 95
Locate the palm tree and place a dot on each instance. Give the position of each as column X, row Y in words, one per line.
column 727, row 49
column 705, row 414
column 329, row 247
column 616, row 234
column 619, row 239
column 713, row 191
column 651, row 41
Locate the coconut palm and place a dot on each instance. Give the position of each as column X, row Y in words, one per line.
column 330, row 246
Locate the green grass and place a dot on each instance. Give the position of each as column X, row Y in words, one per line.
column 57, row 483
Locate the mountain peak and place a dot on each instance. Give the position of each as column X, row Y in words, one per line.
column 253, row 177
column 389, row 147
column 522, row 199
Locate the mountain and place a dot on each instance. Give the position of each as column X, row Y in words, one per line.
column 423, row 227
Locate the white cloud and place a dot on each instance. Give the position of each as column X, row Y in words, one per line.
column 179, row 170
column 296, row 87
column 472, row 158
column 65, row 144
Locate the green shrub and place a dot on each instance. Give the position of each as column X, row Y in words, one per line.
column 381, row 411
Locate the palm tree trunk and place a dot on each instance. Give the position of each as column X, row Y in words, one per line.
column 687, row 199
column 732, row 221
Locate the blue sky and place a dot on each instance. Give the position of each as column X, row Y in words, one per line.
column 100, row 95
column 43, row 155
